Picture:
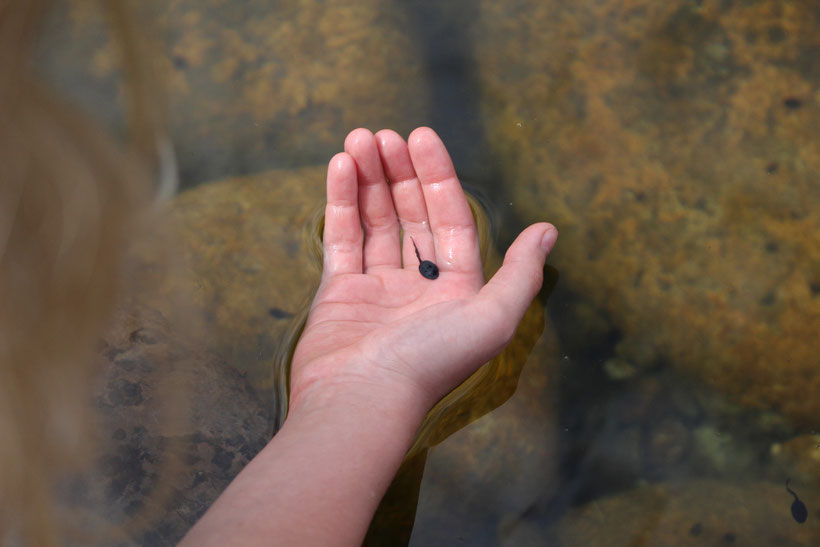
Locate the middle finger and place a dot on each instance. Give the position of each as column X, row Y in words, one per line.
column 381, row 227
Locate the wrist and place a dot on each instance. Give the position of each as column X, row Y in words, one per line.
column 347, row 382
column 395, row 403
column 321, row 477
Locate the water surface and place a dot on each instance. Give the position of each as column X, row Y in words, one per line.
column 674, row 144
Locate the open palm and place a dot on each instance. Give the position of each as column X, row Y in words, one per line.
column 375, row 320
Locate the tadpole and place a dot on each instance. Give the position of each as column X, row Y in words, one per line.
column 427, row 269
column 799, row 510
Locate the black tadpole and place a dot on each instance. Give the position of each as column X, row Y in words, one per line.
column 427, row 269
column 799, row 511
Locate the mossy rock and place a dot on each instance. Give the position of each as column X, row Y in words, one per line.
column 253, row 85
column 674, row 146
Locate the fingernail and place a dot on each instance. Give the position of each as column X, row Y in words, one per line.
column 548, row 239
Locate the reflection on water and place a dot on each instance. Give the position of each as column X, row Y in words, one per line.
column 674, row 144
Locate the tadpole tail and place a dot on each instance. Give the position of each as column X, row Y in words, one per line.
column 416, row 248
column 789, row 489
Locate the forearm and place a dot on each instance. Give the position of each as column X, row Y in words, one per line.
column 320, row 479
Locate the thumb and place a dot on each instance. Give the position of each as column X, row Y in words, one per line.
column 519, row 279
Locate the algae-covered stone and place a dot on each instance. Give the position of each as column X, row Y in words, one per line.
column 252, row 85
column 674, row 146
column 242, row 264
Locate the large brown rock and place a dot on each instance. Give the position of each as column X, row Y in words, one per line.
column 242, row 261
column 674, row 144
column 252, row 85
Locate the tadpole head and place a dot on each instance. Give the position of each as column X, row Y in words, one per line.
column 428, row 269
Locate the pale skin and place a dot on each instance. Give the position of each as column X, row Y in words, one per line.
column 382, row 344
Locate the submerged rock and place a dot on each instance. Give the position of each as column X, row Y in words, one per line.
column 240, row 263
column 253, row 85
column 175, row 424
column 665, row 142
column 699, row 512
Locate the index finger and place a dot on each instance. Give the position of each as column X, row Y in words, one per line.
column 342, row 238
column 450, row 216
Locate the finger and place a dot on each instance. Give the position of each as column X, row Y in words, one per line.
column 408, row 198
column 381, row 227
column 451, row 220
column 342, row 240
column 505, row 298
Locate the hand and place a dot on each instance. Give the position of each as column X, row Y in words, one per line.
column 377, row 326
column 381, row 345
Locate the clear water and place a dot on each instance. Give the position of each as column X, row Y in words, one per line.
column 675, row 145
